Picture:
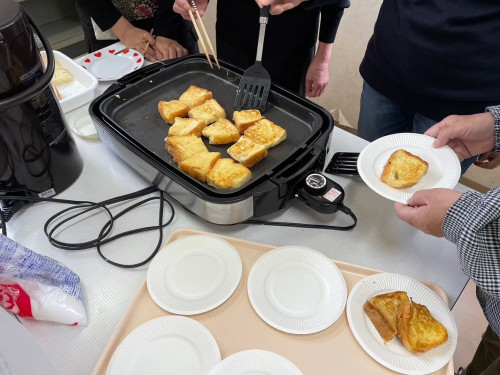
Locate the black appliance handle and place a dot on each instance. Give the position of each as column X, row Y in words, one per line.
column 303, row 164
column 145, row 71
column 39, row 85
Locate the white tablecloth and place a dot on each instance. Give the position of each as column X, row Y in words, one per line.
column 379, row 241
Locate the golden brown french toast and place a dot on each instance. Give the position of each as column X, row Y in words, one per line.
column 195, row 96
column 226, row 174
column 183, row 146
column 246, row 118
column 383, row 312
column 266, row 132
column 221, row 132
column 247, row 152
column 417, row 329
column 403, row 169
column 210, row 111
column 199, row 164
column 172, row 109
column 187, row 126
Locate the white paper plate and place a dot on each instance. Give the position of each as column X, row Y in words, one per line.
column 170, row 345
column 255, row 362
column 393, row 354
column 444, row 166
column 297, row 290
column 106, row 66
column 194, row 274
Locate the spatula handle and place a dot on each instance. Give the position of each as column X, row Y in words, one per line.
column 264, row 15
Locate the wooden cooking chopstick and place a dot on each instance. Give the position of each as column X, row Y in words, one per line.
column 206, row 36
column 200, row 38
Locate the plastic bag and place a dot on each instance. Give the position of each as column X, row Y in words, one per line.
column 37, row 287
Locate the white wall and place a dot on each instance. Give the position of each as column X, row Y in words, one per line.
column 355, row 30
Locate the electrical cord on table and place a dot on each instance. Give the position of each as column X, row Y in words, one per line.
column 342, row 208
column 102, row 239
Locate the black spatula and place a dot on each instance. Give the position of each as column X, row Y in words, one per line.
column 255, row 81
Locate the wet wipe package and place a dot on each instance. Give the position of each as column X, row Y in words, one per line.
column 38, row 287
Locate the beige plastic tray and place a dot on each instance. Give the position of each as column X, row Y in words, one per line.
column 237, row 327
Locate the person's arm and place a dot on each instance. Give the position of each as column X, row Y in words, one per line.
column 318, row 75
column 473, row 223
column 168, row 28
column 491, row 159
column 104, row 13
column 182, row 7
column 279, row 6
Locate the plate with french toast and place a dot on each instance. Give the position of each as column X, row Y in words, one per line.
column 402, row 323
column 398, row 165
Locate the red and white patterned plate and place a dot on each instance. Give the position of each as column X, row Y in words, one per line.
column 106, row 66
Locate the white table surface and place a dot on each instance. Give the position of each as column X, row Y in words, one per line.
column 380, row 241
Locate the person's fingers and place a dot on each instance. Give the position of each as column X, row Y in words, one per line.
column 149, row 38
column 404, row 211
column 418, row 199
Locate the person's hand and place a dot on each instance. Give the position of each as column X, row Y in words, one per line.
column 182, row 7
column 488, row 160
column 318, row 76
column 133, row 37
column 468, row 135
column 168, row 49
column 426, row 209
column 279, row 6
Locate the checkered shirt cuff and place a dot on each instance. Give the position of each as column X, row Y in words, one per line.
column 457, row 215
column 495, row 111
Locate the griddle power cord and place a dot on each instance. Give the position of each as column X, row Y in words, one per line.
column 52, row 224
column 341, row 207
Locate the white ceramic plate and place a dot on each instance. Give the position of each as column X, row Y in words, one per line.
column 194, row 274
column 106, row 66
column 297, row 290
column 444, row 166
column 170, row 345
column 255, row 362
column 393, row 354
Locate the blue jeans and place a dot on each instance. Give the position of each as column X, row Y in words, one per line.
column 380, row 116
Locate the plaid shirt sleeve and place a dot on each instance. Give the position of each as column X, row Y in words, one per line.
column 495, row 111
column 473, row 224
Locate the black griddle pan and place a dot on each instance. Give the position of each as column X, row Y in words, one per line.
column 131, row 109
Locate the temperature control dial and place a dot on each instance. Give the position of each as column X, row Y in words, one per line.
column 315, row 184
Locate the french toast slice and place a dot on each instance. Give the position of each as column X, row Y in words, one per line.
column 198, row 165
column 383, row 312
column 187, row 126
column 247, row 152
column 417, row 328
column 195, row 96
column 266, row 132
column 183, row 146
column 210, row 111
column 403, row 169
column 246, row 118
column 221, row 132
column 172, row 109
column 226, row 174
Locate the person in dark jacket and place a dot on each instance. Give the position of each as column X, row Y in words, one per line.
column 427, row 60
column 131, row 23
column 290, row 54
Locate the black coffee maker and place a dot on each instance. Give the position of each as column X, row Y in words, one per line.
column 38, row 156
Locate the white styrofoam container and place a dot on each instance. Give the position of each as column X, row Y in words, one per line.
column 81, row 90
